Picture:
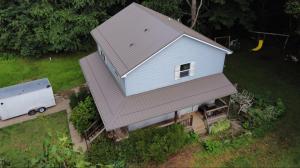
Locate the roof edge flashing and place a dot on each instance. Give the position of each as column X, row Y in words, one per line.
column 226, row 51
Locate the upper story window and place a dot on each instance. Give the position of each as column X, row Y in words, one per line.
column 184, row 70
column 100, row 51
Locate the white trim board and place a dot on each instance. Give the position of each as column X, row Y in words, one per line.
column 226, row 51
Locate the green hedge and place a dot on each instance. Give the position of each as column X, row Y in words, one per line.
column 142, row 146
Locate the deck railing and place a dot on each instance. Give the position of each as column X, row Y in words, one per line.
column 96, row 128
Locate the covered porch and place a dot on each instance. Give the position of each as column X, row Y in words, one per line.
column 201, row 119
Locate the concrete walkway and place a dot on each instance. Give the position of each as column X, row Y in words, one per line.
column 62, row 104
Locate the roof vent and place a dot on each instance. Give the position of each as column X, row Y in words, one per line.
column 146, row 29
column 169, row 18
column 131, row 44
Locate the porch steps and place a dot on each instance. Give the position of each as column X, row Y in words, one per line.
column 198, row 124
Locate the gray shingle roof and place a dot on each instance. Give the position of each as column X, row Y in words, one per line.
column 136, row 33
column 117, row 110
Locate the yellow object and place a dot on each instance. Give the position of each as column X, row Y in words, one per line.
column 259, row 46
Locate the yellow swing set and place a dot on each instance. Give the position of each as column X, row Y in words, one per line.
column 261, row 41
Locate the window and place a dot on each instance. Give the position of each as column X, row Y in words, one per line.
column 184, row 70
column 116, row 73
column 101, row 53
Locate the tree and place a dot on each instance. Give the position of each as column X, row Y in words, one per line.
column 293, row 9
column 170, row 8
column 194, row 11
column 38, row 27
column 208, row 14
column 220, row 14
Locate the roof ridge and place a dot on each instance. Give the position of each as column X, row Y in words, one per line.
column 149, row 10
column 145, row 9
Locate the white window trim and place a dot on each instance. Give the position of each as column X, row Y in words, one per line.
column 178, row 71
column 227, row 51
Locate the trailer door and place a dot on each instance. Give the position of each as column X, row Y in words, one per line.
column 3, row 111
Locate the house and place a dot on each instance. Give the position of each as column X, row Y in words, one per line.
column 151, row 69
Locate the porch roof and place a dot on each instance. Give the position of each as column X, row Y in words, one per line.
column 117, row 110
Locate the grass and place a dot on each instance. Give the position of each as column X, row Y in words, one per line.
column 63, row 71
column 22, row 142
column 266, row 73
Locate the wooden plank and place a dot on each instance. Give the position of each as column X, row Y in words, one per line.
column 215, row 109
column 216, row 118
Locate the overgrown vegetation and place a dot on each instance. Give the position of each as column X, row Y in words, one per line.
column 59, row 153
column 76, row 98
column 263, row 112
column 84, row 114
column 219, row 126
column 142, row 146
column 214, row 145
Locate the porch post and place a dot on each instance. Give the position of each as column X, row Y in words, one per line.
column 228, row 108
column 176, row 116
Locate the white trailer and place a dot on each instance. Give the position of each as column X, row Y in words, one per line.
column 26, row 98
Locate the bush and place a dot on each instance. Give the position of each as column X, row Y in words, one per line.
column 142, row 146
column 264, row 112
column 212, row 145
column 84, row 114
column 220, row 126
column 76, row 98
column 58, row 152
column 4, row 162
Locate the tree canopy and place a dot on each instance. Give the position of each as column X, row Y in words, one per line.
column 38, row 27
column 35, row 28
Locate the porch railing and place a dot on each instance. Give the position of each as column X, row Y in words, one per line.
column 93, row 131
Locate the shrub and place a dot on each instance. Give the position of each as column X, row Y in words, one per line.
column 142, row 146
column 212, row 145
column 219, row 126
column 84, row 114
column 76, row 98
column 264, row 112
column 4, row 162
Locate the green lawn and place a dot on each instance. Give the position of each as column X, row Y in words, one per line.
column 21, row 142
column 265, row 72
column 63, row 71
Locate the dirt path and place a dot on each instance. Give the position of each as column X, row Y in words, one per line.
column 183, row 158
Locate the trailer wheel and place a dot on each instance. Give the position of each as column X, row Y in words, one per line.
column 32, row 112
column 42, row 109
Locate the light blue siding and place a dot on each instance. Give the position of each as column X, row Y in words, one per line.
column 159, row 71
column 112, row 70
column 151, row 121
